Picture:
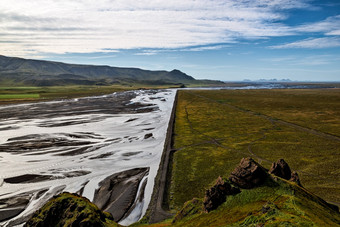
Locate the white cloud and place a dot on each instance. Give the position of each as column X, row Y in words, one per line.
column 330, row 26
column 148, row 52
column 50, row 26
column 316, row 43
column 334, row 32
column 202, row 48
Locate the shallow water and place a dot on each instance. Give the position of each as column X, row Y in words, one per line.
column 72, row 145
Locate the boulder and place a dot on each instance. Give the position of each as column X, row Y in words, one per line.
column 295, row 178
column 217, row 194
column 281, row 169
column 248, row 174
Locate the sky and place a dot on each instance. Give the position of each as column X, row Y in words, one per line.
column 229, row 40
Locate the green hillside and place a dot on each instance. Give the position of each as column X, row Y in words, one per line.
column 26, row 72
column 276, row 202
column 251, row 196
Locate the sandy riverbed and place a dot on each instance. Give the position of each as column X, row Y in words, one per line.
column 74, row 145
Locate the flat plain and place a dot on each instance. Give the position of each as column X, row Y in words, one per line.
column 214, row 129
column 15, row 94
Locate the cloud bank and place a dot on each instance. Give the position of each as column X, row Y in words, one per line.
column 84, row 26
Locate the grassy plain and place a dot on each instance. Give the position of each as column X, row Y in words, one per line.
column 19, row 96
column 22, row 94
column 214, row 129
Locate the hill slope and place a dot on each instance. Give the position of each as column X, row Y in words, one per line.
column 252, row 196
column 46, row 73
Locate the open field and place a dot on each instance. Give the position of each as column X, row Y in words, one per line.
column 16, row 94
column 214, row 129
column 21, row 94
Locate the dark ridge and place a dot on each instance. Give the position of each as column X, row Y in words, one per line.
column 49, row 73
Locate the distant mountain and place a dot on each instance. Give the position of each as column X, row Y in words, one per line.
column 19, row 71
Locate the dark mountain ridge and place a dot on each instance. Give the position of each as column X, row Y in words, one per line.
column 15, row 70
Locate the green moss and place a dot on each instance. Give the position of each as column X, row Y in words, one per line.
column 190, row 208
column 70, row 210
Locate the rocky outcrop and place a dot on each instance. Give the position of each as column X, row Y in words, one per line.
column 68, row 209
column 269, row 204
column 281, row 169
column 295, row 178
column 248, row 174
column 217, row 194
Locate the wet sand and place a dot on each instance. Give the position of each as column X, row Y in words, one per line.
column 116, row 194
column 118, row 103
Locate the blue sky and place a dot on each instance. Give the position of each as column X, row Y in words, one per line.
column 214, row 39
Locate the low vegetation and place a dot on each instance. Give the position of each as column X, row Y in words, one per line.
column 276, row 203
column 273, row 201
column 19, row 96
column 22, row 94
column 215, row 129
column 70, row 210
column 16, row 94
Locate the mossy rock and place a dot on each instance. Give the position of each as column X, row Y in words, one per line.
column 68, row 209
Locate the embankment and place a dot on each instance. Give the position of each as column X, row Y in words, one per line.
column 157, row 210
